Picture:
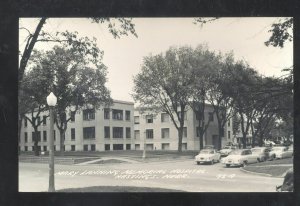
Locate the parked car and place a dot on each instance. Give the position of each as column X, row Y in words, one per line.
column 209, row 147
column 226, row 150
column 239, row 157
column 280, row 153
column 208, row 156
column 261, row 152
column 288, row 182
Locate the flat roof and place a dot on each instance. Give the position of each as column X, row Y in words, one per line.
column 122, row 102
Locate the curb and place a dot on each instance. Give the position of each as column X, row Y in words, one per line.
column 258, row 173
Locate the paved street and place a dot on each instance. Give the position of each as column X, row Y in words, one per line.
column 180, row 175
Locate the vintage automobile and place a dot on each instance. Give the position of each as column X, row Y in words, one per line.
column 280, row 153
column 239, row 157
column 226, row 150
column 261, row 152
column 208, row 156
column 209, row 147
column 288, row 182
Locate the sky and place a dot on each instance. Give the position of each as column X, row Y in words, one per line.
column 123, row 57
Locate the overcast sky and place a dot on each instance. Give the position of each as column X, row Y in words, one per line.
column 123, row 57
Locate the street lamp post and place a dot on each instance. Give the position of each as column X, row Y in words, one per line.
column 51, row 101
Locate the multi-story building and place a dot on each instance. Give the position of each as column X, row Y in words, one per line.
column 157, row 131
column 89, row 130
column 121, row 127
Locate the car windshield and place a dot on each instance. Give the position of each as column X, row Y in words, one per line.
column 206, row 152
column 236, row 152
column 256, row 150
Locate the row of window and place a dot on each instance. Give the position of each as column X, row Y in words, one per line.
column 165, row 133
column 88, row 133
column 89, row 114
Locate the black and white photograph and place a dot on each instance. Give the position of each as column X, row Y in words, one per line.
column 164, row 104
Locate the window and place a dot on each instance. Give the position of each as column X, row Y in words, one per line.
column 26, row 148
column 128, row 132
column 88, row 114
column 72, row 133
column 184, row 146
column 85, row 147
column 54, row 135
column 184, row 132
column 117, row 146
column 228, row 135
column 136, row 119
column 164, row 117
column 89, row 133
column 136, row 134
column 149, row 146
column 211, row 116
column 93, row 147
column 106, row 132
column 165, row 146
column 26, row 136
column 54, row 148
column 44, row 120
column 127, row 115
column 149, row 133
column 128, row 146
column 149, row 119
column 45, row 136
column 64, row 147
column 107, row 147
column 117, row 114
column 45, row 148
column 228, row 124
column 185, row 116
column 25, row 123
column 72, row 147
column 165, row 133
column 73, row 116
column 106, row 113
column 38, row 136
column 137, row 147
column 117, row 132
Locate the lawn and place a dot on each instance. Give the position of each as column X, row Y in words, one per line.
column 275, row 168
column 117, row 189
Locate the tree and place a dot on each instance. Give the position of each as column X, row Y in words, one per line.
column 163, row 85
column 79, row 80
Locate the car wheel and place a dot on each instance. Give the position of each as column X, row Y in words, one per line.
column 198, row 163
column 259, row 160
column 227, row 165
column 212, row 162
column 244, row 164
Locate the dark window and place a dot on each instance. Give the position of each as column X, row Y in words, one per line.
column 44, row 120
column 149, row 119
column 85, row 147
column 136, row 119
column 107, row 147
column 117, row 132
column 165, row 133
column 228, row 135
column 136, row 134
column 38, row 119
column 117, row 146
column 211, row 116
column 72, row 133
column 45, row 148
column 89, row 133
column 88, row 114
column 72, row 147
column 128, row 146
column 25, row 123
column 165, row 146
column 26, row 148
column 149, row 146
column 73, row 116
column 26, row 136
column 127, row 115
column 228, row 123
column 106, row 132
column 137, row 147
column 184, row 146
column 149, row 133
column 117, row 114
column 184, row 132
column 45, row 136
column 93, row 147
column 54, row 135
column 106, row 113
column 128, row 132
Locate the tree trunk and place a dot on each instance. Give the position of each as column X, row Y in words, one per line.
column 244, row 140
column 201, row 134
column 62, row 141
column 221, row 134
column 180, row 134
column 36, row 142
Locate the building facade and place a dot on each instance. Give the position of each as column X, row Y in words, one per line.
column 89, row 130
column 121, row 127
